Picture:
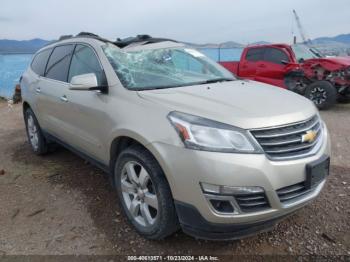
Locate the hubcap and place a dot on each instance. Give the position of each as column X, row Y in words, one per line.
column 32, row 132
column 318, row 95
column 139, row 194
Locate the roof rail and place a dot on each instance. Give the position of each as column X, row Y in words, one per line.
column 141, row 39
column 82, row 34
column 62, row 37
column 147, row 39
column 88, row 34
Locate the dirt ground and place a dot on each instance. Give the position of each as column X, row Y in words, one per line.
column 59, row 204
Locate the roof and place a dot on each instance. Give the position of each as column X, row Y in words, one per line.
column 121, row 43
column 270, row 45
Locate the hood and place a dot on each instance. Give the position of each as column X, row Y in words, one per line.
column 331, row 63
column 345, row 61
column 245, row 104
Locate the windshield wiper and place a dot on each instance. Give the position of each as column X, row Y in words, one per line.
column 210, row 81
column 316, row 52
column 216, row 80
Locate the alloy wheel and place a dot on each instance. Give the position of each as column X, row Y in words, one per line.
column 139, row 194
column 33, row 132
column 318, row 95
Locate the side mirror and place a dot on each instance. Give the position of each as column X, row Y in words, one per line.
column 85, row 82
column 285, row 62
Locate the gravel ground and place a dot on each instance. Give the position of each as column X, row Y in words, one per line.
column 59, row 204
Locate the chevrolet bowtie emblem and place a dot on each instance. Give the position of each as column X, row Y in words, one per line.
column 309, row 137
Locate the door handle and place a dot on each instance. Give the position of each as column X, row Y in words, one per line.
column 262, row 66
column 64, row 98
column 38, row 90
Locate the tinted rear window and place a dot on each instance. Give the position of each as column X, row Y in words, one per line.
column 40, row 61
column 275, row 55
column 58, row 65
column 255, row 54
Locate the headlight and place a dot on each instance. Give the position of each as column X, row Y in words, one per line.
column 208, row 135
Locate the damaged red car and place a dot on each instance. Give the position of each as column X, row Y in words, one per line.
column 299, row 68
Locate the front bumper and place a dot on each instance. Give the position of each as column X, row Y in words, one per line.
column 193, row 224
column 185, row 169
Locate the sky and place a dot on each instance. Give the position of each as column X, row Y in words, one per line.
column 198, row 21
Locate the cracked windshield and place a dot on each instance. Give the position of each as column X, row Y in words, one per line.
column 164, row 68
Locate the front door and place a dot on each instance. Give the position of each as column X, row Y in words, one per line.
column 272, row 68
column 86, row 116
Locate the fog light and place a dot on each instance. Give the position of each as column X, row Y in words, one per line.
column 222, row 206
column 230, row 190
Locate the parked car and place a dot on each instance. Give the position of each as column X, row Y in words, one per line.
column 183, row 141
column 299, row 68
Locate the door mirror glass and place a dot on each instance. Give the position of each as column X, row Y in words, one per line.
column 84, row 82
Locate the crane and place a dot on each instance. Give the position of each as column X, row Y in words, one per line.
column 305, row 39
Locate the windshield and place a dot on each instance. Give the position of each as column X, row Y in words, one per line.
column 304, row 52
column 164, row 68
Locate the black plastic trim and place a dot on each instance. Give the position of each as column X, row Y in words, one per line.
column 88, row 158
column 194, row 224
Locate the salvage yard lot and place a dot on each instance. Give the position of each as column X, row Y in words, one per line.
column 60, row 204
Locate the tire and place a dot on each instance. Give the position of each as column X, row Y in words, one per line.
column 322, row 93
column 35, row 136
column 152, row 221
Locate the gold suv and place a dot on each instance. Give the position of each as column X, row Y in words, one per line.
column 186, row 144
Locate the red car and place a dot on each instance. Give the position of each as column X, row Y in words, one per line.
column 299, row 68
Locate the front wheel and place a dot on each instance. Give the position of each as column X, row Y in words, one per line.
column 144, row 193
column 322, row 93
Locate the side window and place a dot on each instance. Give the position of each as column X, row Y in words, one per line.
column 58, row 65
column 255, row 54
column 84, row 61
column 39, row 62
column 275, row 55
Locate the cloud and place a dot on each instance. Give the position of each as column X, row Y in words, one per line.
column 5, row 19
column 196, row 20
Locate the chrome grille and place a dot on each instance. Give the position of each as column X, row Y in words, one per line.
column 292, row 193
column 285, row 142
column 252, row 202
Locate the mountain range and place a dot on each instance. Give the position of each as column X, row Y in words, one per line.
column 24, row 46
column 31, row 46
column 337, row 41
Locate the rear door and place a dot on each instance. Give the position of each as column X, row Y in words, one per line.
column 35, row 84
column 52, row 89
column 249, row 62
column 272, row 68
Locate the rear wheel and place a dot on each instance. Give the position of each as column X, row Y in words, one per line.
column 144, row 193
column 34, row 133
column 322, row 93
